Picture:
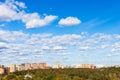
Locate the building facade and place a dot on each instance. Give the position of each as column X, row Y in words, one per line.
column 12, row 68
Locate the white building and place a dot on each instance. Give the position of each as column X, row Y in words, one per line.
column 12, row 68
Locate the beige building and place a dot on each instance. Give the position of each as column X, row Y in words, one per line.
column 34, row 66
column 92, row 66
column 85, row 65
column 28, row 66
column 12, row 68
column 42, row 65
column 88, row 66
column 19, row 68
column 1, row 70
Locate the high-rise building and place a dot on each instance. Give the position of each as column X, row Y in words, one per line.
column 2, row 71
column 42, row 65
column 28, row 66
column 92, row 66
column 7, row 70
column 85, row 65
column 12, row 68
column 19, row 68
column 88, row 66
column 1, row 66
column 58, row 65
column 34, row 65
column 22, row 66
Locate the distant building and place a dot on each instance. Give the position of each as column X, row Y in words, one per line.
column 6, row 70
column 88, row 66
column 2, row 71
column 42, row 65
column 34, row 66
column 76, row 66
column 22, row 66
column 27, row 66
column 19, row 68
column 58, row 65
column 1, row 66
column 12, row 68
column 85, row 65
column 92, row 66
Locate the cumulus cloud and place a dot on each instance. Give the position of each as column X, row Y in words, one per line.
column 45, row 48
column 103, row 46
column 6, row 14
column 58, row 48
column 16, row 45
column 3, row 46
column 8, row 36
column 12, row 10
column 20, row 4
column 117, row 36
column 33, row 20
column 9, row 10
column 86, row 48
column 116, row 47
column 69, row 21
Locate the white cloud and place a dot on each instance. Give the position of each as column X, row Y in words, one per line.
column 66, row 39
column 86, row 48
column 6, row 14
column 33, row 20
column 59, row 48
column 16, row 45
column 45, row 48
column 27, row 17
column 103, row 46
column 102, row 37
column 117, row 36
column 20, row 4
column 3, row 45
column 8, row 36
column 69, row 21
column 12, row 10
column 116, row 47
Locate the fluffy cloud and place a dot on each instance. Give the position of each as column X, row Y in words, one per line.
column 59, row 48
column 7, row 36
column 13, row 10
column 16, row 45
column 103, row 46
column 9, row 10
column 86, row 48
column 69, row 21
column 33, row 20
column 45, row 48
column 116, row 47
column 3, row 46
column 6, row 14
column 20, row 4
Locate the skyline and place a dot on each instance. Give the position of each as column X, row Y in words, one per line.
column 73, row 32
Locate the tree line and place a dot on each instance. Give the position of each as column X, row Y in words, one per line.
column 111, row 73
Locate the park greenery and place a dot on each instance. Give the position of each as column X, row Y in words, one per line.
column 111, row 73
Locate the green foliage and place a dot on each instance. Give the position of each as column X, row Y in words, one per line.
column 67, row 74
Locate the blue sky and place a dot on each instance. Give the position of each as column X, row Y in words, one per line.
column 74, row 32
